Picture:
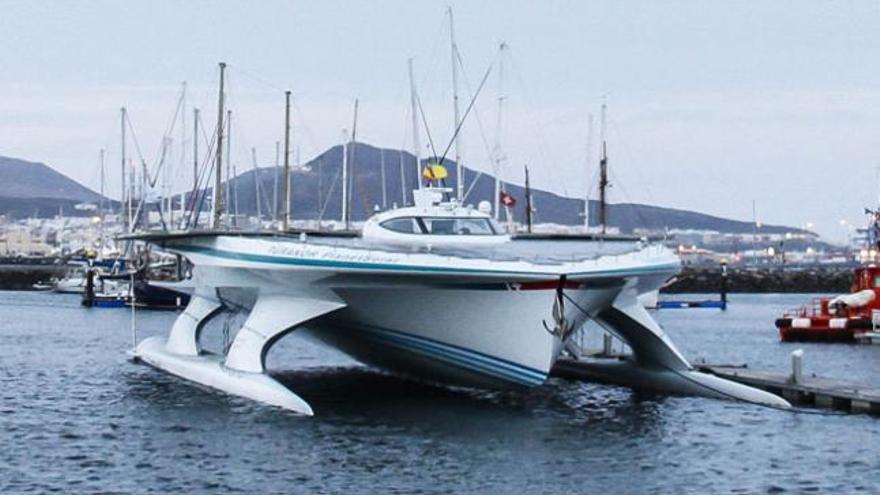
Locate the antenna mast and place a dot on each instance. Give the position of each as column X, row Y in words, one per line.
column 459, row 169
column 218, row 166
column 415, row 124
column 285, row 222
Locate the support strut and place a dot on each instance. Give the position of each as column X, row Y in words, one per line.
column 243, row 371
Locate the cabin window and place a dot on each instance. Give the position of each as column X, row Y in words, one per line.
column 457, row 226
column 877, row 281
column 402, row 225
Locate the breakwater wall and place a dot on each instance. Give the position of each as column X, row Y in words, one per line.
column 832, row 280
column 23, row 273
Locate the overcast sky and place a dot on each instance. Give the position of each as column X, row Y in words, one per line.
column 711, row 105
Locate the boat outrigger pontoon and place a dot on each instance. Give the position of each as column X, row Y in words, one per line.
column 506, row 308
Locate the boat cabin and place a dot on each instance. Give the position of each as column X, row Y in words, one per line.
column 432, row 220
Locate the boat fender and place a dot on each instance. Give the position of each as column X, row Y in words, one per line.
column 783, row 322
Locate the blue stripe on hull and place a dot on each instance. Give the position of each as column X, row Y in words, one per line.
column 457, row 356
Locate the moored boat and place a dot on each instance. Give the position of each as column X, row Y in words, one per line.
column 436, row 291
column 836, row 319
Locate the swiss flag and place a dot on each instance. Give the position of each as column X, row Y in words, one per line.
column 507, row 199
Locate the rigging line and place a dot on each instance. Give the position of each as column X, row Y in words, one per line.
column 202, row 175
column 256, row 78
column 208, row 169
column 153, row 178
column 486, row 146
column 467, row 112
column 330, row 191
column 427, row 131
column 439, row 40
column 631, row 203
column 207, row 141
column 306, row 129
column 201, row 194
column 310, row 136
column 207, row 158
column 543, row 143
column 625, row 150
column 200, row 191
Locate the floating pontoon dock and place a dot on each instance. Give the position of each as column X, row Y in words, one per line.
column 605, row 366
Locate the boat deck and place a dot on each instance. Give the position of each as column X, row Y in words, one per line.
column 541, row 249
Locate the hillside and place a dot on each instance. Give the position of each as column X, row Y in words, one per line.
column 35, row 189
column 319, row 189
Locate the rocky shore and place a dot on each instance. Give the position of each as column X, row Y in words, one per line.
column 813, row 279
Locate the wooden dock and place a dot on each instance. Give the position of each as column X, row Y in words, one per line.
column 809, row 390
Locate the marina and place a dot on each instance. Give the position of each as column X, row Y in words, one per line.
column 420, row 248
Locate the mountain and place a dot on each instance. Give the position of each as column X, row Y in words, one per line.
column 35, row 189
column 317, row 189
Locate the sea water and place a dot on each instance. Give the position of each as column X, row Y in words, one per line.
column 77, row 417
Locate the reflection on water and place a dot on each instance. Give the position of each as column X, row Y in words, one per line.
column 76, row 417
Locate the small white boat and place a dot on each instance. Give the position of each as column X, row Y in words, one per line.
column 437, row 291
column 74, row 281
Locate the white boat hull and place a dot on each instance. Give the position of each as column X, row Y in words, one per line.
column 461, row 320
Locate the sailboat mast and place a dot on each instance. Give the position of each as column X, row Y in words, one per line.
column 345, row 145
column 195, row 150
column 256, row 184
column 384, row 185
column 499, row 131
column 403, row 178
column 603, row 176
column 587, row 172
column 414, row 102
column 275, row 184
column 351, row 162
column 285, row 224
column 101, row 207
column 101, row 199
column 124, row 173
column 528, row 202
column 218, row 165
column 459, row 169
column 230, row 219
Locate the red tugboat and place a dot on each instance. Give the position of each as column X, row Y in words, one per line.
column 836, row 319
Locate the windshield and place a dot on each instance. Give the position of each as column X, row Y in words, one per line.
column 441, row 226
column 458, row 226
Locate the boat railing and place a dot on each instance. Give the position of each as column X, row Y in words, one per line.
column 816, row 307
